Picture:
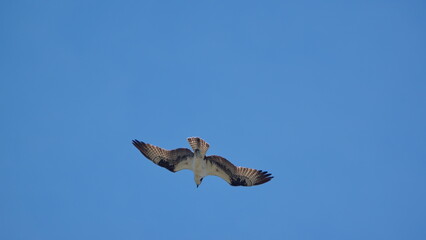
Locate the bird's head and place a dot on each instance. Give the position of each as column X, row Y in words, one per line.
column 198, row 181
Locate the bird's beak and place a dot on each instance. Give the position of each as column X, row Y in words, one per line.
column 198, row 185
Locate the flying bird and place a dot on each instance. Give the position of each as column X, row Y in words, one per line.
column 202, row 165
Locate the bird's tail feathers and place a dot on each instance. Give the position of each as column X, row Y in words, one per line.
column 198, row 144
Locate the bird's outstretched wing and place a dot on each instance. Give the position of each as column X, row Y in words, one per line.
column 236, row 176
column 173, row 160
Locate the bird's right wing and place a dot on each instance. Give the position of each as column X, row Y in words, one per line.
column 236, row 176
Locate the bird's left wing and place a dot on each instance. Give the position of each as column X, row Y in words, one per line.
column 173, row 160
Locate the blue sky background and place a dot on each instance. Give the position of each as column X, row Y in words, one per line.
column 329, row 96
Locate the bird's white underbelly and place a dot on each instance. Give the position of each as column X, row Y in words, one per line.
column 199, row 167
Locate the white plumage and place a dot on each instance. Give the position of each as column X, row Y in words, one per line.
column 202, row 165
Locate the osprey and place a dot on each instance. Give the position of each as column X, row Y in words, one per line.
column 202, row 165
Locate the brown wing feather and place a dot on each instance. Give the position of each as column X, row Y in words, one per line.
column 236, row 176
column 173, row 160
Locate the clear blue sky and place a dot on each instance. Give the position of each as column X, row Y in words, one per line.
column 329, row 96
